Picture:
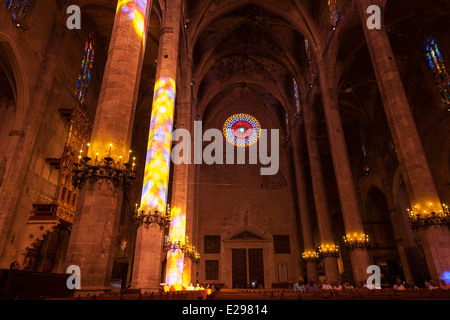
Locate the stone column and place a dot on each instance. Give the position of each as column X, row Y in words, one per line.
column 320, row 195
column 149, row 241
column 182, row 173
column 308, row 243
column 411, row 155
column 93, row 239
column 346, row 187
column 404, row 237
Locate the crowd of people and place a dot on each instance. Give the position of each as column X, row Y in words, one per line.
column 313, row 286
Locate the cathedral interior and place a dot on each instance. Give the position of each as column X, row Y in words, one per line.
column 357, row 116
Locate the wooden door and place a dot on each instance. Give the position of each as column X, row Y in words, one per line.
column 256, row 266
column 239, row 268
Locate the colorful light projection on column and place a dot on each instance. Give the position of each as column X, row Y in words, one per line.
column 242, row 130
column 156, row 175
column 175, row 259
column 446, row 277
column 138, row 11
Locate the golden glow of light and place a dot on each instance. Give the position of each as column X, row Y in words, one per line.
column 309, row 254
column 435, row 210
column 328, row 247
column 356, row 237
column 137, row 11
column 156, row 175
column 175, row 260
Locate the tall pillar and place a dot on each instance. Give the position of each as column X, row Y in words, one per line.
column 149, row 241
column 182, row 173
column 411, row 155
column 346, row 187
column 92, row 242
column 308, row 243
column 320, row 196
column 403, row 236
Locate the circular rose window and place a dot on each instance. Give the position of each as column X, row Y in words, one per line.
column 242, row 130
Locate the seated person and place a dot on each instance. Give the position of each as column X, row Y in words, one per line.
column 327, row 286
column 444, row 285
column 348, row 286
column 14, row 266
column 311, row 286
column 433, row 285
column 398, row 285
column 299, row 285
column 413, row 287
column 337, row 286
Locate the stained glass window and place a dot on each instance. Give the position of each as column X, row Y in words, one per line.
column 18, row 8
column 242, row 130
column 436, row 63
column 334, row 12
column 309, row 56
column 84, row 78
column 287, row 122
column 297, row 97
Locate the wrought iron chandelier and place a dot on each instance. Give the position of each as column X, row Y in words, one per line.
column 424, row 219
column 356, row 240
column 104, row 170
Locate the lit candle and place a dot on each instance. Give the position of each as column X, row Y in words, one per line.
column 110, row 146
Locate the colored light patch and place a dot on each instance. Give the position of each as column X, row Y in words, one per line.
column 156, row 175
column 334, row 11
column 137, row 11
column 175, row 260
column 187, row 274
column 445, row 276
column 297, row 97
